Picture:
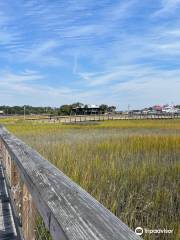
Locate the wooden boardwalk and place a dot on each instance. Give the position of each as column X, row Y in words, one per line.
column 7, row 225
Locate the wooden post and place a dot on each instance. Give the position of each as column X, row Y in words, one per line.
column 28, row 215
column 8, row 165
column 16, row 191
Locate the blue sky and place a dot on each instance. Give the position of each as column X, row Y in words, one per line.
column 117, row 52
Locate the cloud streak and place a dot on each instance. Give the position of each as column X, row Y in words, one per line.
column 167, row 7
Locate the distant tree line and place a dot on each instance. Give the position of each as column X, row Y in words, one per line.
column 28, row 110
column 62, row 110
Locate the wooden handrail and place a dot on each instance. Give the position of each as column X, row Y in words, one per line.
column 68, row 211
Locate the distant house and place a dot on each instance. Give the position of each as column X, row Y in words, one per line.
column 1, row 112
column 170, row 109
column 135, row 111
column 86, row 110
column 157, row 108
column 145, row 111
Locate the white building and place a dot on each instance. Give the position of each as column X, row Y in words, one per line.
column 170, row 109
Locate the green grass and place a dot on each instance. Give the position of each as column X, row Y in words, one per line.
column 131, row 167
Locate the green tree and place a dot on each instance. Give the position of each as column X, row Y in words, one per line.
column 103, row 108
column 111, row 109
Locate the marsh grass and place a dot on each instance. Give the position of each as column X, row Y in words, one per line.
column 131, row 167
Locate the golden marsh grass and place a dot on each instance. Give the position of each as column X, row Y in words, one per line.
column 131, row 167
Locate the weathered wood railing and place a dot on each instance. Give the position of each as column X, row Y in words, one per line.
column 45, row 198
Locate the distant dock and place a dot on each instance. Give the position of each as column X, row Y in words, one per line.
column 102, row 117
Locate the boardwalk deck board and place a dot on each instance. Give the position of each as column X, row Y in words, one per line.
column 7, row 225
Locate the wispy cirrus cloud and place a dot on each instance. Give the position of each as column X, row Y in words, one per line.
column 158, row 84
column 27, row 84
column 7, row 37
column 130, row 73
column 167, row 7
column 8, row 77
column 77, row 18
column 42, row 54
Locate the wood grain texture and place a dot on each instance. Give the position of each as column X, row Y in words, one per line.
column 68, row 211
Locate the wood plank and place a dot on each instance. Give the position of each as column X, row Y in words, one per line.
column 7, row 225
column 68, row 211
